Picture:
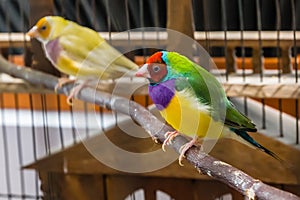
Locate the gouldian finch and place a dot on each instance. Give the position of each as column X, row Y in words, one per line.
column 79, row 51
column 193, row 102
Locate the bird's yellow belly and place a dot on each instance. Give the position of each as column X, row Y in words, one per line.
column 77, row 69
column 186, row 117
column 66, row 66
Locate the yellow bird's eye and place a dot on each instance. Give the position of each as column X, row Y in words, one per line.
column 43, row 28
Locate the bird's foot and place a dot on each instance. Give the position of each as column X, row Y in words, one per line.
column 183, row 149
column 170, row 135
column 62, row 81
column 74, row 92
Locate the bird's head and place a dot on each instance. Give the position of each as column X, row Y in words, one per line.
column 45, row 28
column 156, row 69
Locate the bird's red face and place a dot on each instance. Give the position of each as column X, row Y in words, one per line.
column 155, row 68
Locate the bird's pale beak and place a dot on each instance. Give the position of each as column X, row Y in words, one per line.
column 33, row 33
column 143, row 72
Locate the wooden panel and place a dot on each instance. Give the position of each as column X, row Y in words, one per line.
column 293, row 189
column 213, row 190
column 269, row 89
column 288, row 105
column 244, row 62
column 71, row 186
column 119, row 187
column 257, row 90
column 180, row 27
column 257, row 163
column 254, row 162
column 89, row 187
column 13, row 39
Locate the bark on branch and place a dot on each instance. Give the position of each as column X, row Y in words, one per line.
column 203, row 162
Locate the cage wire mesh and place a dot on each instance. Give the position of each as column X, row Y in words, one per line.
column 36, row 125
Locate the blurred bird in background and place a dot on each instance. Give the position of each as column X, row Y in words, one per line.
column 79, row 51
column 193, row 102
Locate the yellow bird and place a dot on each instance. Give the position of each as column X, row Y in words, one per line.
column 79, row 51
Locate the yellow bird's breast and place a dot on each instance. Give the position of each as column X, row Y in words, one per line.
column 190, row 117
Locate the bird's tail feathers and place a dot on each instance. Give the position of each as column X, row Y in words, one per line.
column 249, row 141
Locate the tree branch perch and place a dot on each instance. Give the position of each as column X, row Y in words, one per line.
column 203, row 162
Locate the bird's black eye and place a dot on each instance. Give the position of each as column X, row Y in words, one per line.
column 43, row 28
column 156, row 68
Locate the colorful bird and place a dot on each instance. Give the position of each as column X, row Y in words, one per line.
column 193, row 102
column 79, row 51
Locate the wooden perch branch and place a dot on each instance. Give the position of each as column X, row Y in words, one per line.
column 203, row 162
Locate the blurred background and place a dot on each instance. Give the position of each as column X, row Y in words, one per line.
column 254, row 44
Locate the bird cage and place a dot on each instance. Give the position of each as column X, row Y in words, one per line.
column 47, row 147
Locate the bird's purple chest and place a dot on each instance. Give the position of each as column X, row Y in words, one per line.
column 162, row 93
column 53, row 49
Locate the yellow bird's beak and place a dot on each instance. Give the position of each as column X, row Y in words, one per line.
column 33, row 33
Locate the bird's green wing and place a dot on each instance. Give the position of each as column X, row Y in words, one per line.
column 235, row 119
column 210, row 90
